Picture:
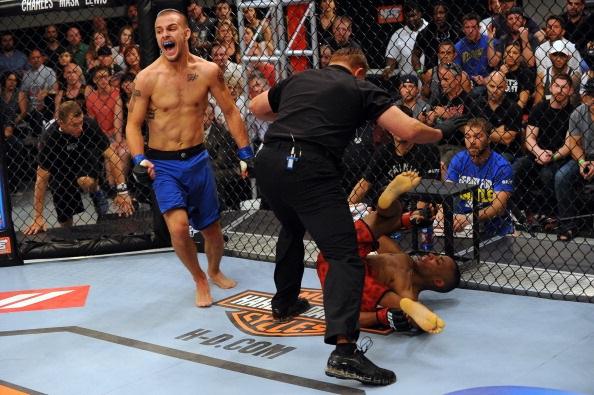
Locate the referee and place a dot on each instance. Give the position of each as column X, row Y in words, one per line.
column 315, row 114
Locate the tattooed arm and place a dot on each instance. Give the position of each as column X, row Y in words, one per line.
column 137, row 111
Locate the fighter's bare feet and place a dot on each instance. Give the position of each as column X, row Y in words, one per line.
column 222, row 281
column 424, row 318
column 401, row 184
column 203, row 297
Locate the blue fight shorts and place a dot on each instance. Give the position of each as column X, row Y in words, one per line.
column 185, row 179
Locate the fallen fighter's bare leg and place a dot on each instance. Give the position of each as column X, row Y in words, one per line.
column 401, row 184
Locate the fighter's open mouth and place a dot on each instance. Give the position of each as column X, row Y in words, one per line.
column 168, row 44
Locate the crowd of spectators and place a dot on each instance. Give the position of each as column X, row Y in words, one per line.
column 530, row 83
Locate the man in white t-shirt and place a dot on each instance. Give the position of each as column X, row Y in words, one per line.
column 555, row 31
column 402, row 42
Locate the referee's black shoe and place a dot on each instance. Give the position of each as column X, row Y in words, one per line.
column 356, row 366
column 285, row 315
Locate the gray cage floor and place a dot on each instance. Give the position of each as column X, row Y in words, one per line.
column 133, row 336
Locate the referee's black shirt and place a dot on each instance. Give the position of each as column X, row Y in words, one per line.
column 324, row 107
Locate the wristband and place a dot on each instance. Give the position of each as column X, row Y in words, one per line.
column 122, row 187
column 245, row 153
column 419, row 71
column 581, row 161
column 138, row 158
column 123, row 193
column 556, row 156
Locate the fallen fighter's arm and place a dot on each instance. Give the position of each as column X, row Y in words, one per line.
column 397, row 308
column 399, row 318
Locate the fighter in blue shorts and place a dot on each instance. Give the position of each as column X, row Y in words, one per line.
column 185, row 179
column 171, row 95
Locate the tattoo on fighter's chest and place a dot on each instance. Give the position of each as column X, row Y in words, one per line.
column 192, row 77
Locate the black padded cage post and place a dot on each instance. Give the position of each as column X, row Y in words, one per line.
column 9, row 251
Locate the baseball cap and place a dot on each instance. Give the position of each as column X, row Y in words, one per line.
column 104, row 51
column 559, row 46
column 409, row 78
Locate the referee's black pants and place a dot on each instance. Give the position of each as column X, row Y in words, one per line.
column 310, row 197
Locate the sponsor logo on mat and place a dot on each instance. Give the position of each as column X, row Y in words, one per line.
column 226, row 341
column 252, row 315
column 5, row 246
column 43, row 299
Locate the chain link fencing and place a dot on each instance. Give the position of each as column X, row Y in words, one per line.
column 521, row 67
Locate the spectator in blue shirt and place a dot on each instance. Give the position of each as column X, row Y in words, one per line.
column 471, row 51
column 478, row 165
column 11, row 59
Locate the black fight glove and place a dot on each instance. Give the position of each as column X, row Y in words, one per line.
column 395, row 319
column 141, row 175
column 449, row 126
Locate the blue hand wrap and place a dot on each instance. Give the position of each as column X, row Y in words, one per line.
column 245, row 153
column 138, row 158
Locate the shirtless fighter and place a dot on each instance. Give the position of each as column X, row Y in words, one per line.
column 171, row 95
column 394, row 279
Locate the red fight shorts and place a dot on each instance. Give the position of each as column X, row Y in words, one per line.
column 372, row 290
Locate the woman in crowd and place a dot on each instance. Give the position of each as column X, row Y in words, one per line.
column 64, row 58
column 254, row 23
column 325, row 55
column 126, row 38
column 227, row 35
column 132, row 58
column 13, row 102
column 126, row 87
column 265, row 47
column 105, row 106
column 98, row 40
column 326, row 19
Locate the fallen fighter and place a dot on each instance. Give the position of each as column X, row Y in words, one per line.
column 394, row 279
